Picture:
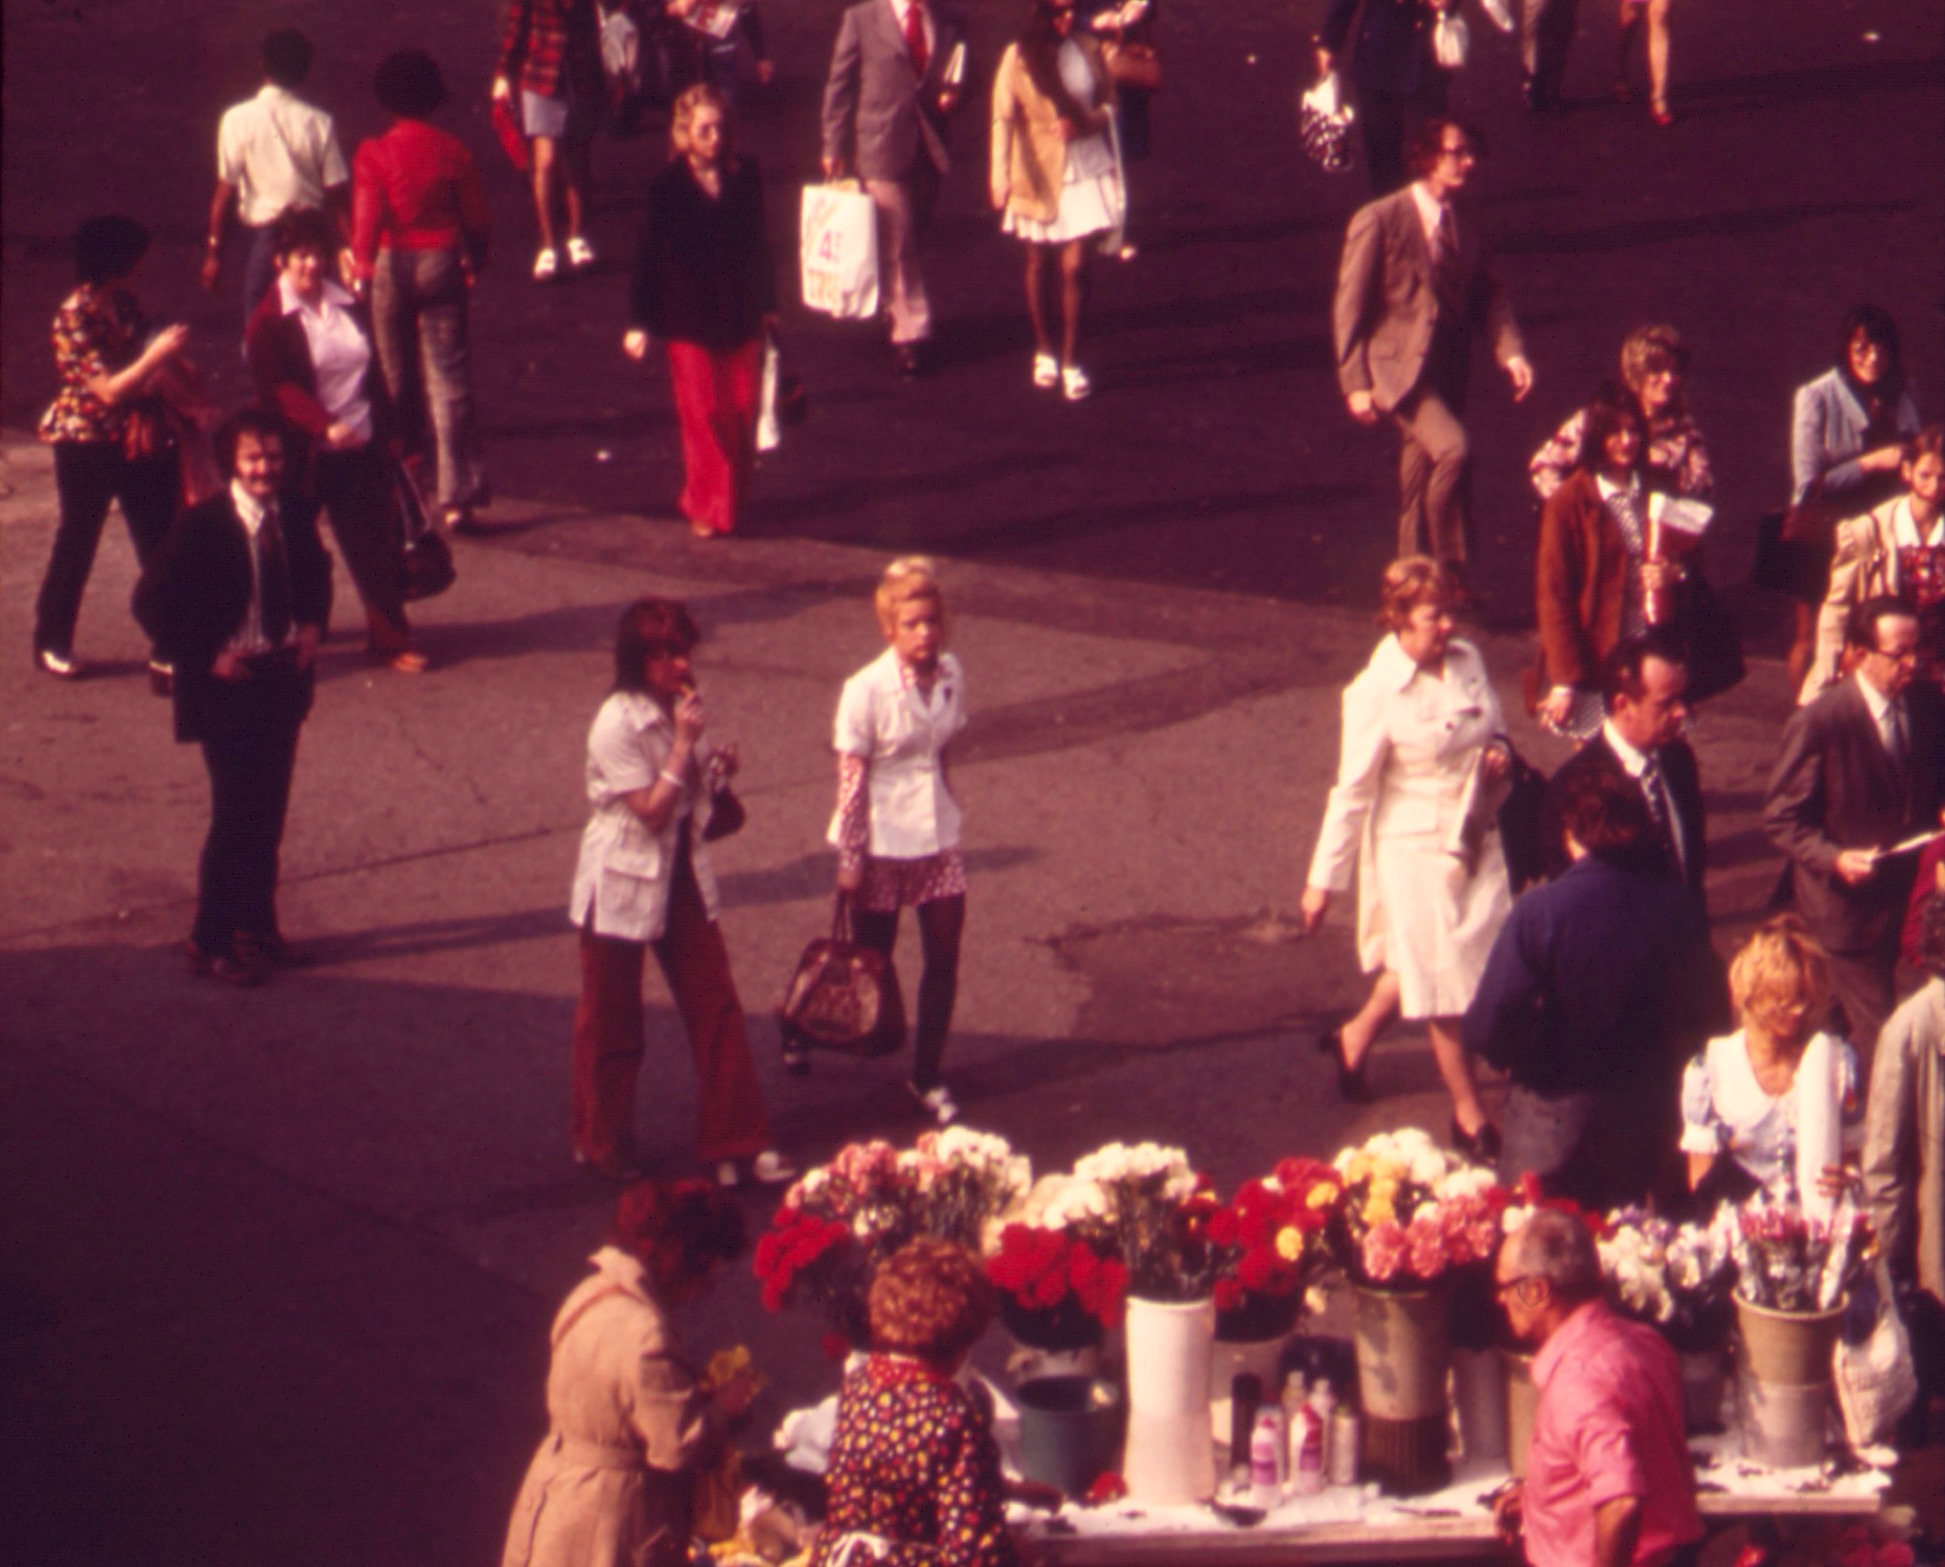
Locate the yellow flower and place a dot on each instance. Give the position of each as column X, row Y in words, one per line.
column 1322, row 1195
column 1289, row 1243
column 1379, row 1209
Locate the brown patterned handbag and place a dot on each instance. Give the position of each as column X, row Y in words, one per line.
column 843, row 997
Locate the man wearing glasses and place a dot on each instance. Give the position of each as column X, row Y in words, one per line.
column 1412, row 287
column 1608, row 1477
column 1862, row 771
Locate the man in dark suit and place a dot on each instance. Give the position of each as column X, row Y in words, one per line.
column 1600, row 986
column 898, row 70
column 1644, row 683
column 1411, row 288
column 239, row 596
column 1394, row 73
column 1861, row 770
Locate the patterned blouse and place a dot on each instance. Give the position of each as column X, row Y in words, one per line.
column 1678, row 462
column 915, row 1465
column 98, row 330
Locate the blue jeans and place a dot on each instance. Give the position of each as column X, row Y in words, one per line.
column 259, row 268
column 419, row 324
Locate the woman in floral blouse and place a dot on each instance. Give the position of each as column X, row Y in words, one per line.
column 1654, row 367
column 915, row 1474
column 107, row 360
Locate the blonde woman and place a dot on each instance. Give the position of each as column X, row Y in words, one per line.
column 1056, row 174
column 896, row 828
column 1423, row 764
column 704, row 285
column 1654, row 369
column 1745, row 1097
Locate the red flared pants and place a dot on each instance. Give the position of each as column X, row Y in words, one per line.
column 715, row 400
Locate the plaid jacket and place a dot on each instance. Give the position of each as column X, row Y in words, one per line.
column 546, row 45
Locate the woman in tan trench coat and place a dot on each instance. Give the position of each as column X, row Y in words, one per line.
column 610, row 1486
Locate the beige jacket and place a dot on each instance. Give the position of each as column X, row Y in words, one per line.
column 1904, row 1138
column 1864, row 565
column 610, row 1484
column 1029, row 162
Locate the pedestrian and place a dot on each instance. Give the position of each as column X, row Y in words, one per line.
column 1599, row 987
column 630, row 1421
column 644, row 882
column 1644, row 686
column 704, row 284
column 1651, row 16
column 273, row 152
column 721, row 30
column 1904, row 1150
column 1897, row 548
column 1127, row 31
column 915, row 1472
column 1746, row 1097
column 897, row 823
column 1609, row 1481
column 420, row 231
column 897, row 73
column 1397, row 77
column 1654, row 369
column 550, row 50
column 1423, row 757
column 110, row 443
column 1546, row 39
column 238, row 598
column 1847, row 435
column 311, row 355
column 1413, row 286
column 1594, row 577
column 1055, row 175
column 1862, row 768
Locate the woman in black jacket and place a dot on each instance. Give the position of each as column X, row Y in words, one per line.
column 703, row 285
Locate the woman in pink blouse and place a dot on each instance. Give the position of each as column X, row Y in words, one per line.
column 1654, row 368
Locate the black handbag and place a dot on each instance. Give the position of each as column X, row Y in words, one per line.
column 429, row 568
column 1521, row 840
column 1708, row 638
column 844, row 996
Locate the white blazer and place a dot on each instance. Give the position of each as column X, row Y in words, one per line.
column 621, row 884
column 901, row 735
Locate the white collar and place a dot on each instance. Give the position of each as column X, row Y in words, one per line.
column 270, row 92
column 1874, row 699
column 1625, row 752
column 290, row 304
column 1430, row 208
column 249, row 510
column 1609, row 489
column 1395, row 667
column 1904, row 527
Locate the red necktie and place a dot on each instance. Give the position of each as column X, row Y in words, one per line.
column 915, row 37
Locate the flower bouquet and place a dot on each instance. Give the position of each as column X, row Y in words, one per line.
column 1154, row 1213
column 1270, row 1244
column 1788, row 1262
column 1056, row 1291
column 1674, row 1277
column 1411, row 1212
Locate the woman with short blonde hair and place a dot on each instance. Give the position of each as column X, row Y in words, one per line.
column 1654, row 370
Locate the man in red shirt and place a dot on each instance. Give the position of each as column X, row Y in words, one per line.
column 1608, row 1478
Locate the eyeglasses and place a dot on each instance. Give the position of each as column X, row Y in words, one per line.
column 1462, row 153
column 1501, row 1289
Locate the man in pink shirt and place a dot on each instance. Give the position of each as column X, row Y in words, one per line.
column 1608, row 1479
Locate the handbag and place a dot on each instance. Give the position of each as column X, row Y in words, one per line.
column 1132, row 64
column 1876, row 1385
column 1521, row 840
column 1324, row 122
column 843, row 996
column 1707, row 634
column 1451, row 40
column 727, row 814
column 512, row 138
column 428, row 563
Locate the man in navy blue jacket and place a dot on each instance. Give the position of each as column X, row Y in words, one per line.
column 1600, row 986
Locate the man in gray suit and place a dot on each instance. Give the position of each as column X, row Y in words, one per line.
column 1412, row 286
column 898, row 70
column 1861, row 770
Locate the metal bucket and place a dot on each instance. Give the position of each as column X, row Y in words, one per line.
column 1070, row 1430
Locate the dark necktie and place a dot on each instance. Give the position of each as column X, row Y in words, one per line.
column 1894, row 735
column 273, row 580
column 915, row 37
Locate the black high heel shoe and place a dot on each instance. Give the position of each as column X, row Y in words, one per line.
column 1481, row 1147
column 1351, row 1086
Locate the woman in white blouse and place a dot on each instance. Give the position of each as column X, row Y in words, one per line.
column 1423, row 769
column 896, row 828
column 1752, row 1097
column 312, row 359
column 644, row 882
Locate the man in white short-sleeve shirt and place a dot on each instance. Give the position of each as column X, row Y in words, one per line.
column 273, row 151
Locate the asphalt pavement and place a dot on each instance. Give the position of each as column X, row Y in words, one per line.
column 276, row 1267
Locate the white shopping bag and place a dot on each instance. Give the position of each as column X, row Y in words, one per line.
column 838, row 247
column 769, row 436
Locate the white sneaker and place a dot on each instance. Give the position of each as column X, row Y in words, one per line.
column 1074, row 384
column 546, row 264
column 1046, row 371
column 936, row 1102
column 579, row 253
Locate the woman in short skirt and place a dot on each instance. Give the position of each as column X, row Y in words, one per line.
column 1056, row 174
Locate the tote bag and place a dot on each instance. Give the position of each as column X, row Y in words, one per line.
column 838, row 246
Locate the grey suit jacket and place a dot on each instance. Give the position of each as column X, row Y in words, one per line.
column 1834, row 788
column 1387, row 306
column 880, row 116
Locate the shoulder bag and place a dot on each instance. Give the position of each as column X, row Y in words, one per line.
column 429, row 568
column 843, row 997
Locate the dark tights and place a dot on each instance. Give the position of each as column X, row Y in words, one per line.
column 939, row 925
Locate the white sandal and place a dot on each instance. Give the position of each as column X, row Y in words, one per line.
column 1074, row 384
column 935, row 1102
column 1046, row 372
column 546, row 264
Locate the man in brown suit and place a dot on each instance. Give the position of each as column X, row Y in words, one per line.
column 1412, row 286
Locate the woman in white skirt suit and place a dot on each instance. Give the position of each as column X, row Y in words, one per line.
column 1414, row 809
column 1056, row 174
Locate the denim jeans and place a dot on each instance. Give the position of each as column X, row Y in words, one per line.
column 419, row 323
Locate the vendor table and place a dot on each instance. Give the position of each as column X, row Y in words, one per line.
column 1357, row 1524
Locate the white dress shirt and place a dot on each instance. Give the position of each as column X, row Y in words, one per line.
column 249, row 639
column 900, row 9
column 1888, row 715
column 340, row 354
column 278, row 152
column 1430, row 210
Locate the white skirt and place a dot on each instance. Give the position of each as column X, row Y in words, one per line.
column 1089, row 204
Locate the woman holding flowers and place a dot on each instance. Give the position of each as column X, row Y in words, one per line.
column 1749, row 1094
column 1422, row 768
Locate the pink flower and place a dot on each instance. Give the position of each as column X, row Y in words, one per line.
column 1384, row 1251
column 1426, row 1248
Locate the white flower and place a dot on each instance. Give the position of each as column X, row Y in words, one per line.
column 1467, row 1181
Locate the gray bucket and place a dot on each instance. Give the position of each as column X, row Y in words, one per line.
column 1783, row 1425
column 1070, row 1430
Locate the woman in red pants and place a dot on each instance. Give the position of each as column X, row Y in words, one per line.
column 644, row 883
